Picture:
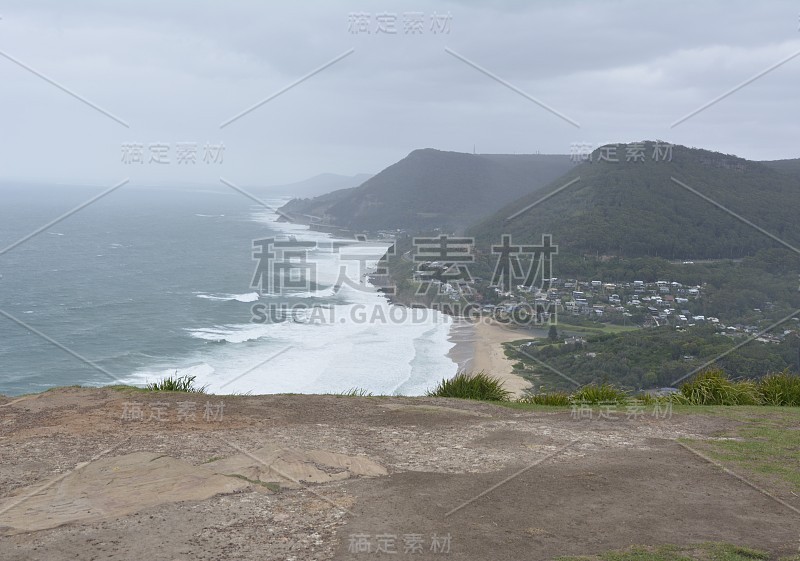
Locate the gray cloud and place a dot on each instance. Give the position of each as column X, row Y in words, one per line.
column 624, row 70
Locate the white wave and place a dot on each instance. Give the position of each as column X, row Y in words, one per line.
column 324, row 293
column 210, row 215
column 332, row 345
column 371, row 345
column 247, row 297
column 233, row 333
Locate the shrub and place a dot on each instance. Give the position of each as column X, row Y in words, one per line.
column 471, row 386
column 780, row 389
column 176, row 384
column 712, row 387
column 594, row 394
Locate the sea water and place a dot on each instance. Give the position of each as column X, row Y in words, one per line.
column 149, row 281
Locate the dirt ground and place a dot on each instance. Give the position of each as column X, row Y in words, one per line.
column 112, row 475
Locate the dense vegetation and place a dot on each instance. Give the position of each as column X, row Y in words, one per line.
column 635, row 209
column 714, row 388
column 652, row 358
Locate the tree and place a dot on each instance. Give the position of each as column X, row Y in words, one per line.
column 552, row 334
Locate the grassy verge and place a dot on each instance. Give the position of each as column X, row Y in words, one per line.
column 765, row 444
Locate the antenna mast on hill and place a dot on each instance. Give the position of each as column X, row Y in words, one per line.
column 473, row 149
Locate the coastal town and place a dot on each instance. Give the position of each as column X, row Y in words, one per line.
column 638, row 303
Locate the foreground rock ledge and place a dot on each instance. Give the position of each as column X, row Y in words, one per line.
column 296, row 477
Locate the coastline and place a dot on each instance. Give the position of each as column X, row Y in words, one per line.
column 478, row 346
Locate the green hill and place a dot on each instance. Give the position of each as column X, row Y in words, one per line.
column 636, row 209
column 433, row 189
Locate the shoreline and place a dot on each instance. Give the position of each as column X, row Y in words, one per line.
column 478, row 346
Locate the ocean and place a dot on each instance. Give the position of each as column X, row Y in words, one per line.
column 150, row 281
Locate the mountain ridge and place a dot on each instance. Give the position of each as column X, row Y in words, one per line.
column 431, row 189
column 683, row 208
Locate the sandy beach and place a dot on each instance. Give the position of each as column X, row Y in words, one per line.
column 479, row 347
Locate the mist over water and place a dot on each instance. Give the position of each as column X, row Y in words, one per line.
column 147, row 282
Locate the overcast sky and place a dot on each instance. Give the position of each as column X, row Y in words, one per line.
column 174, row 71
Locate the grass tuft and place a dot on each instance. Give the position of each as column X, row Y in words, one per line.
column 594, row 394
column 712, row 387
column 780, row 389
column 477, row 385
column 176, row 384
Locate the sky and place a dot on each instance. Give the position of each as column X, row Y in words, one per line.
column 88, row 89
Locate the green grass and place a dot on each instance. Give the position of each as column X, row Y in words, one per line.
column 709, row 388
column 593, row 394
column 700, row 552
column 780, row 389
column 477, row 385
column 176, row 384
column 766, row 443
column 712, row 387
